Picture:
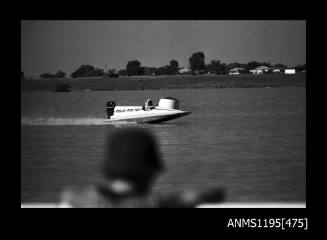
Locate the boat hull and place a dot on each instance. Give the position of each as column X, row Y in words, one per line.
column 168, row 118
column 149, row 116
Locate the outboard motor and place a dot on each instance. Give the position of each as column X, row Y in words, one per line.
column 110, row 108
column 169, row 103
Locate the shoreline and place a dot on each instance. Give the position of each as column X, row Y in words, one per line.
column 168, row 82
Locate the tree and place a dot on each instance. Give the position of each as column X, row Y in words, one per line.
column 234, row 65
column 223, row 67
column 112, row 73
column 300, row 67
column 173, row 64
column 266, row 64
column 252, row 65
column 83, row 71
column 214, row 67
column 150, row 71
column 46, row 75
column 122, row 72
column 140, row 71
column 60, row 74
column 280, row 65
column 97, row 72
column 197, row 62
column 133, row 68
column 164, row 70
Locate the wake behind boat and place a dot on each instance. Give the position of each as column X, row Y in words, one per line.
column 167, row 109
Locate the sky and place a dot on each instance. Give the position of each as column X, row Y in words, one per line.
column 49, row 46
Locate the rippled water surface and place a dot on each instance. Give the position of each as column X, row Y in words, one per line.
column 250, row 141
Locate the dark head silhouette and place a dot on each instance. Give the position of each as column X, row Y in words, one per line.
column 132, row 155
column 131, row 163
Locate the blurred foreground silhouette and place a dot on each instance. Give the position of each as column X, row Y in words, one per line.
column 132, row 162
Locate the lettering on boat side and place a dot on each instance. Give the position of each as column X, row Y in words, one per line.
column 128, row 110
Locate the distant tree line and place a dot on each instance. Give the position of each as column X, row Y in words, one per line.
column 300, row 67
column 58, row 74
column 134, row 68
column 197, row 66
column 87, row 71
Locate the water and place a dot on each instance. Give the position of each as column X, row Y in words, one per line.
column 250, row 141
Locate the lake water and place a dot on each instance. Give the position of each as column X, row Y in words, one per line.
column 251, row 141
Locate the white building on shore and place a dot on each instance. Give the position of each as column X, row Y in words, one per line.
column 184, row 70
column 261, row 70
column 237, row 70
column 290, row 71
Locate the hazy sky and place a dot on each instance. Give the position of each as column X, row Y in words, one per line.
column 48, row 46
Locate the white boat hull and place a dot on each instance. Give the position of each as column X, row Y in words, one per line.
column 135, row 114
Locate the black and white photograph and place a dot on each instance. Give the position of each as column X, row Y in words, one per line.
column 163, row 114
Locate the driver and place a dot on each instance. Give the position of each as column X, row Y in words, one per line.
column 148, row 105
